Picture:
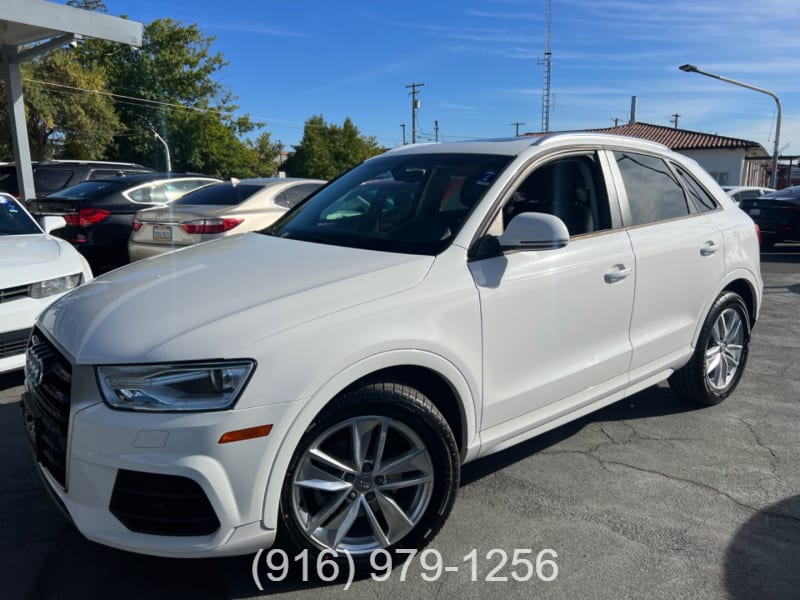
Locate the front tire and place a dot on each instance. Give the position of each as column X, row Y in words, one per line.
column 720, row 356
column 378, row 469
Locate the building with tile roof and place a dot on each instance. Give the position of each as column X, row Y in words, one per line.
column 731, row 161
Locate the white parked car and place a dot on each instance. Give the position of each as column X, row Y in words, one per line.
column 35, row 270
column 228, row 208
column 324, row 380
column 745, row 192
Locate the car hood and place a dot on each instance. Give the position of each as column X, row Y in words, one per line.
column 212, row 300
column 26, row 250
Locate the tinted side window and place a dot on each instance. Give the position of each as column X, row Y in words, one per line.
column 103, row 173
column 570, row 188
column 293, row 195
column 654, row 193
column 51, row 180
column 700, row 198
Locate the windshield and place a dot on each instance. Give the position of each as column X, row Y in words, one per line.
column 412, row 204
column 14, row 220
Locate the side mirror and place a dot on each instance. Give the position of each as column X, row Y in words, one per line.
column 534, row 231
column 51, row 222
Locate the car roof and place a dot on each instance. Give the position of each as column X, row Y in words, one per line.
column 94, row 163
column 518, row 145
column 135, row 178
column 273, row 180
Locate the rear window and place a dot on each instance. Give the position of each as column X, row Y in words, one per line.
column 50, row 180
column 792, row 194
column 219, row 194
column 88, row 189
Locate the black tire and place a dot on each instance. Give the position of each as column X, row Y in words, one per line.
column 692, row 381
column 409, row 416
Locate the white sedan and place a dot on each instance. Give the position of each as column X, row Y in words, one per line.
column 323, row 380
column 35, row 270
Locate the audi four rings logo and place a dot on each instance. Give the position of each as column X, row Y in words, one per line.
column 34, row 369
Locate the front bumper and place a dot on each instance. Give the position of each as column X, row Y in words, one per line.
column 103, row 442
column 16, row 320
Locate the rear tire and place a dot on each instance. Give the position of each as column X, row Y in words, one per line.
column 719, row 359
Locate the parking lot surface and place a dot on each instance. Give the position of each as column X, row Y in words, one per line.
column 649, row 498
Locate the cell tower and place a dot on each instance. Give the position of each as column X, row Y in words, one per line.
column 547, row 63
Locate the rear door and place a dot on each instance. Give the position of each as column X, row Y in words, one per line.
column 679, row 257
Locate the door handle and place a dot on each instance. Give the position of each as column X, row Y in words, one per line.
column 709, row 248
column 617, row 273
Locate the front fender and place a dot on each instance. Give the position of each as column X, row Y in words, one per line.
column 333, row 386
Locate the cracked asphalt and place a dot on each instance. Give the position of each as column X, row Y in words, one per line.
column 649, row 498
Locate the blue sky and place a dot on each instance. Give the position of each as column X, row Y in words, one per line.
column 293, row 59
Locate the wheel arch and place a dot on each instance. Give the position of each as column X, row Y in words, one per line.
column 745, row 289
column 742, row 282
column 433, row 375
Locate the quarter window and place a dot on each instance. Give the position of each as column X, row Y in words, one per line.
column 654, row 193
column 700, row 198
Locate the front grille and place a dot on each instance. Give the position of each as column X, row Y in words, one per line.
column 13, row 342
column 13, row 293
column 162, row 504
column 50, row 397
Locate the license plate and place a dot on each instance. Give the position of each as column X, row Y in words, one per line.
column 755, row 211
column 162, row 233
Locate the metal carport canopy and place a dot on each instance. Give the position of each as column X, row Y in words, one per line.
column 29, row 28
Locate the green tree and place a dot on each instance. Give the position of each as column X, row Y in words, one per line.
column 63, row 118
column 327, row 150
column 168, row 85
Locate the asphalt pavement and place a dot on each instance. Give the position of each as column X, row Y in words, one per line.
column 649, row 498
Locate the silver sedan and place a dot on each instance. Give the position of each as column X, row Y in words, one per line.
column 215, row 211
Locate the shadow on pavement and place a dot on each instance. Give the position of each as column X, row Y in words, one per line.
column 10, row 380
column 652, row 402
column 782, row 253
column 763, row 559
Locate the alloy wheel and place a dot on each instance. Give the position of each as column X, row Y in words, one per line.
column 724, row 350
column 362, row 484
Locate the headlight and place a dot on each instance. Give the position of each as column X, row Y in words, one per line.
column 50, row 287
column 174, row 387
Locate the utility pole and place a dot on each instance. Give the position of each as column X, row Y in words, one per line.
column 403, row 125
column 616, row 121
column 436, row 129
column 414, row 108
column 547, row 62
column 674, row 119
column 517, row 124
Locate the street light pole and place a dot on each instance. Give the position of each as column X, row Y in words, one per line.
column 166, row 148
column 776, row 152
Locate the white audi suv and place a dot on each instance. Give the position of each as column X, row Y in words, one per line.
column 324, row 379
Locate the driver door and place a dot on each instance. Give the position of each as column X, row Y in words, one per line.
column 555, row 322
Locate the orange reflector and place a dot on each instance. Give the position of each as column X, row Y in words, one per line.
column 245, row 434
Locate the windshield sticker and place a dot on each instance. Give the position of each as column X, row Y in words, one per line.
column 486, row 178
